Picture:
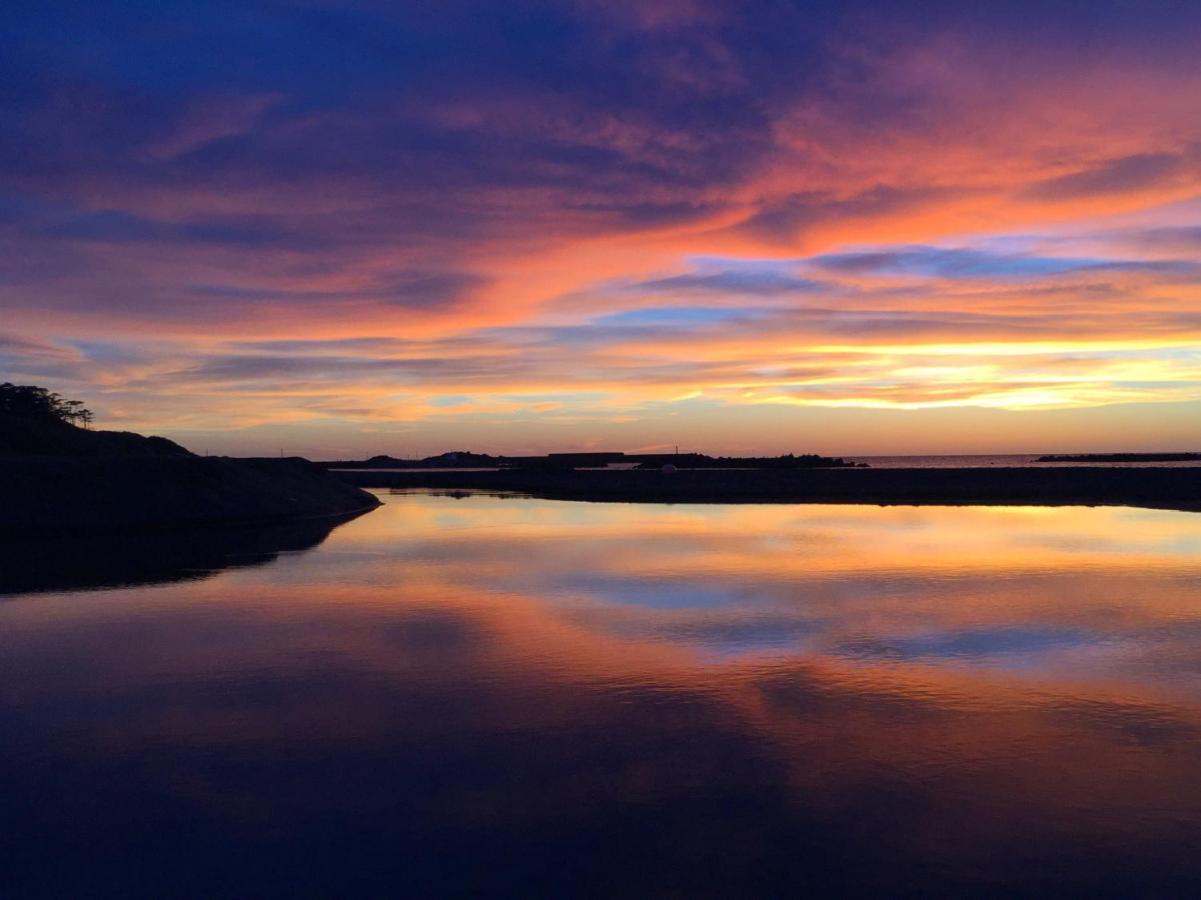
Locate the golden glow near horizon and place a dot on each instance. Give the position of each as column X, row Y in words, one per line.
column 925, row 248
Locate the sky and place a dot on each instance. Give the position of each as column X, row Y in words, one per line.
column 338, row 229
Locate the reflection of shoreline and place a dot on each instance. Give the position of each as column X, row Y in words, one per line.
column 90, row 562
column 1150, row 487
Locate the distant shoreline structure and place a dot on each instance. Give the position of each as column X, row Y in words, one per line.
column 1119, row 457
column 1138, row 486
column 465, row 459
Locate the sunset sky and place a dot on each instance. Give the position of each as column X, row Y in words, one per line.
column 348, row 228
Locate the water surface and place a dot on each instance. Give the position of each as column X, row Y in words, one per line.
column 479, row 695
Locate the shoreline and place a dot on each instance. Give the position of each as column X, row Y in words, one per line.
column 51, row 496
column 1146, row 487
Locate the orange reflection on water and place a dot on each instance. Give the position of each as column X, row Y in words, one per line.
column 983, row 693
column 1081, row 592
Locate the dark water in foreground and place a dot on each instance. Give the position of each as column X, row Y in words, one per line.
column 509, row 697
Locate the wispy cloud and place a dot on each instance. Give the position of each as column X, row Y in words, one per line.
column 399, row 213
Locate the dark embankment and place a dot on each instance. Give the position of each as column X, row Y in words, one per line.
column 67, row 495
column 59, row 479
column 1159, row 488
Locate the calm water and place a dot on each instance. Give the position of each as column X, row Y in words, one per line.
column 487, row 696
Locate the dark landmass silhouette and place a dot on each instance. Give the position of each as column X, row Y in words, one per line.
column 465, row 459
column 21, row 436
column 1151, row 487
column 57, row 478
column 789, row 461
column 1118, row 457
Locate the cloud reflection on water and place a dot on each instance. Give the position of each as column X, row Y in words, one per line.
column 454, row 695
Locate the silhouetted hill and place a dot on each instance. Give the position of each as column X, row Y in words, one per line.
column 21, row 436
column 57, row 478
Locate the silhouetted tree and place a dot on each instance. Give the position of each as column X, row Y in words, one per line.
column 27, row 401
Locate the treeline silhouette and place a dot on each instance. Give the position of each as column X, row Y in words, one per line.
column 35, row 421
column 27, row 401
